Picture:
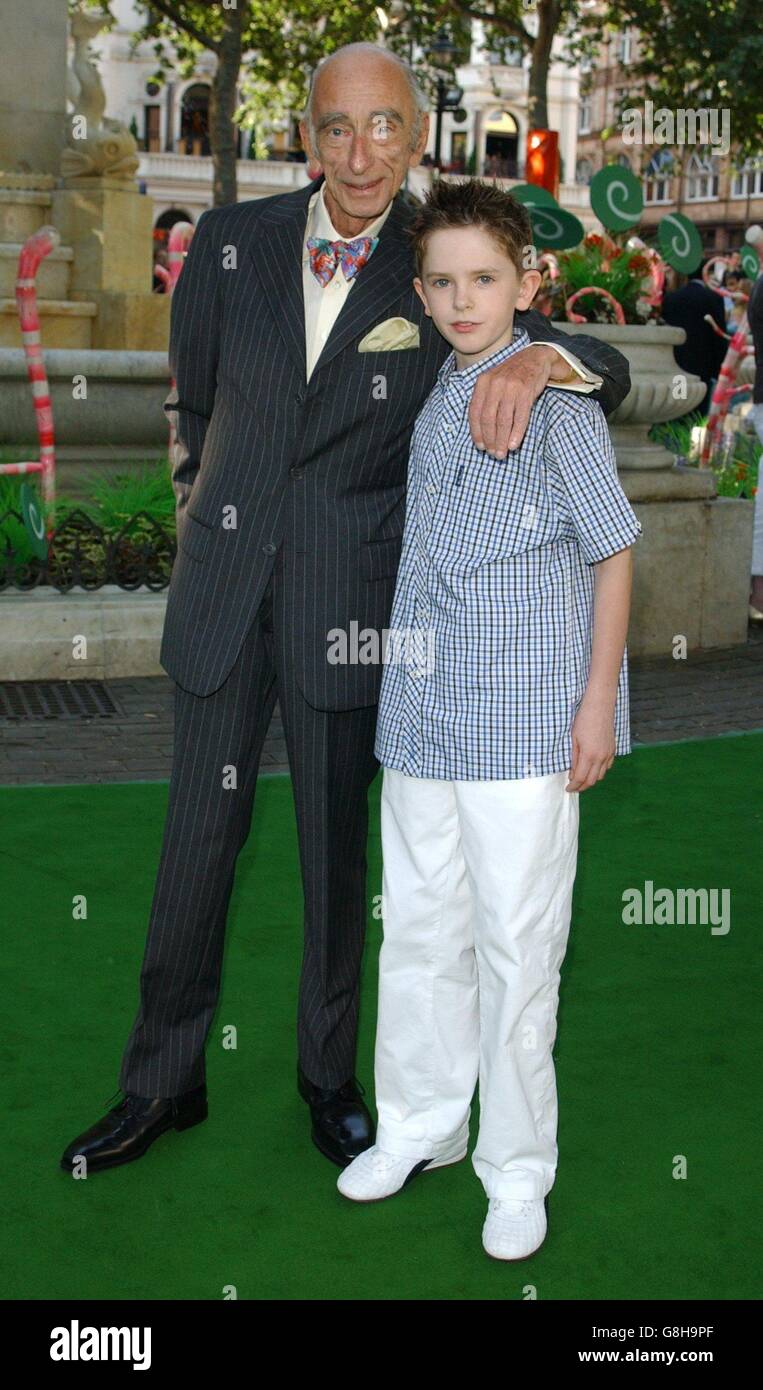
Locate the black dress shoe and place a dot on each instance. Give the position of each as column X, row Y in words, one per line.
column 342, row 1126
column 132, row 1126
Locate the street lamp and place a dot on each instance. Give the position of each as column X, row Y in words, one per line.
column 442, row 51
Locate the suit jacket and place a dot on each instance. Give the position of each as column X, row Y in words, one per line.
column 318, row 468
column 703, row 352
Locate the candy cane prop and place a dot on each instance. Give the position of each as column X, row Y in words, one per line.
column 179, row 240
column 34, row 250
column 603, row 294
column 724, row 390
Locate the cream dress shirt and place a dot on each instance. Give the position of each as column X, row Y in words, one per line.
column 323, row 303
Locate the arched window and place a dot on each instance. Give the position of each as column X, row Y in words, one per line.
column 701, row 178
column 167, row 219
column 194, row 120
column 748, row 181
column 658, row 179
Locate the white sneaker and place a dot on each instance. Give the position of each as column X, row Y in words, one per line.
column 375, row 1174
column 514, row 1227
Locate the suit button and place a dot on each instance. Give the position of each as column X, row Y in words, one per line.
column 296, row 472
column 270, row 549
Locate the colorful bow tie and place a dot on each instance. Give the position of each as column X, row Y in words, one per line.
column 325, row 256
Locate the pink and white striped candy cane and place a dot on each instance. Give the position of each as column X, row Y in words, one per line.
column 724, row 390
column 179, row 241
column 34, row 250
column 603, row 294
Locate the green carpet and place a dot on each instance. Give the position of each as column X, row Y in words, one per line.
column 655, row 1062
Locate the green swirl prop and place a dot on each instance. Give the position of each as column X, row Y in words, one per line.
column 680, row 242
column 750, row 263
column 531, row 195
column 616, row 198
column 554, row 229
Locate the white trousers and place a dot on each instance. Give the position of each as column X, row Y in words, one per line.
column 476, row 898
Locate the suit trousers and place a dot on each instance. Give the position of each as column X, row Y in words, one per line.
column 332, row 764
column 476, row 901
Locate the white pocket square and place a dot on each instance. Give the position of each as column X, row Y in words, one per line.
column 390, row 336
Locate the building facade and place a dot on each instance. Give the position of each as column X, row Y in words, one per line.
column 170, row 123
column 722, row 196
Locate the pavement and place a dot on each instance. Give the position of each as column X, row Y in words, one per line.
column 707, row 694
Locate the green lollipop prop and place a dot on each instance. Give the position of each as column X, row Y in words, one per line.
column 34, row 521
column 680, row 242
column 554, row 229
column 531, row 195
column 750, row 263
column 616, row 198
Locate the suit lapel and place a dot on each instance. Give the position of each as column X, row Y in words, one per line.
column 381, row 281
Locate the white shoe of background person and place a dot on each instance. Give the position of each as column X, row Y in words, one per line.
column 375, row 1174
column 514, row 1227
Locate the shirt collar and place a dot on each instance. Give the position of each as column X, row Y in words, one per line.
column 319, row 222
column 464, row 379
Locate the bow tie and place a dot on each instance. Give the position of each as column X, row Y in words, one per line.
column 325, row 256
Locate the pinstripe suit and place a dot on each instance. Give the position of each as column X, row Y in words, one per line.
column 312, row 474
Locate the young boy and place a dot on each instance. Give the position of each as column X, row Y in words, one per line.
column 517, row 571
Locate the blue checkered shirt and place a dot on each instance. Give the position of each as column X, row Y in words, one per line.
column 489, row 646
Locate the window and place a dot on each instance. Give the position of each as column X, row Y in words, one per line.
column 618, row 98
column 658, row 179
column 152, row 135
column 583, row 171
column 625, row 47
column 623, row 161
column 510, row 55
column 585, row 115
column 701, row 178
column 748, row 181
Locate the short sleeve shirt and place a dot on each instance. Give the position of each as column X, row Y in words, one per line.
column 489, row 646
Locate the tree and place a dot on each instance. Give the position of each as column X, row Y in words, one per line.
column 504, row 19
column 181, row 30
column 695, row 54
column 264, row 51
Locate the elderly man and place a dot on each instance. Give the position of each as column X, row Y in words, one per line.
column 293, row 425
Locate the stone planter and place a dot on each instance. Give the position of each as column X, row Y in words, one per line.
column 692, row 562
column 42, row 629
column 122, row 411
column 650, row 401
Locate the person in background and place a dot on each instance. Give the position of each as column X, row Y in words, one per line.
column 161, row 258
column 704, row 350
column 739, row 305
column 731, row 282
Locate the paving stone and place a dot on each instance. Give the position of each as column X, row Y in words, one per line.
column 709, row 693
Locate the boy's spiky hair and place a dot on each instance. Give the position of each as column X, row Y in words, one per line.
column 473, row 203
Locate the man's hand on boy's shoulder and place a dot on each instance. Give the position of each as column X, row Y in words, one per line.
column 504, row 396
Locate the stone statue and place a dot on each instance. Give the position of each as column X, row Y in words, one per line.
column 96, row 145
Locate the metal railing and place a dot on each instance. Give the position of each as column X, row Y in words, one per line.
column 82, row 554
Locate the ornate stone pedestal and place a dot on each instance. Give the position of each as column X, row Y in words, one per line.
column 108, row 225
